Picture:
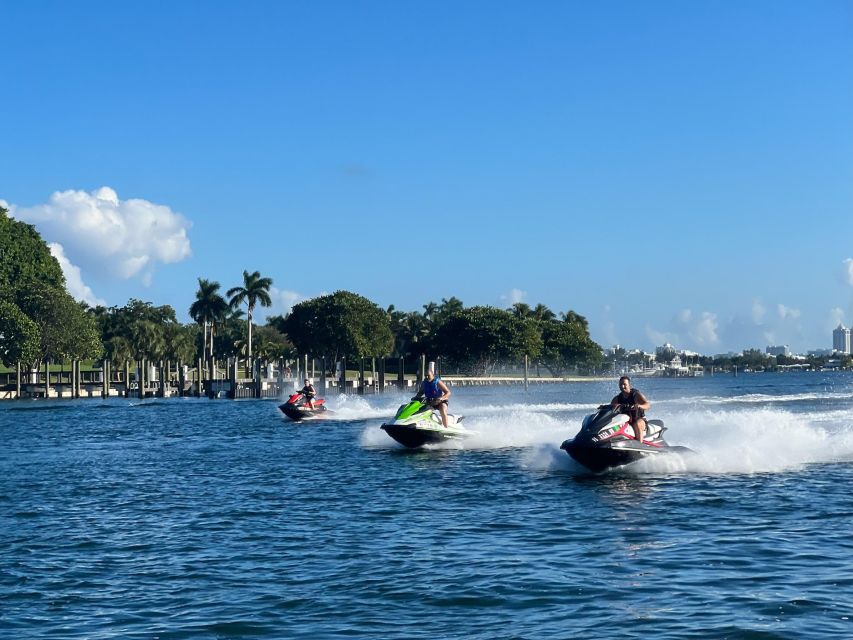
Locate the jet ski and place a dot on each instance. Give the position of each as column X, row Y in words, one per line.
column 607, row 440
column 416, row 424
column 296, row 408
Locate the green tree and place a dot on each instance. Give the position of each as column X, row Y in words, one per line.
column 31, row 281
column 19, row 336
column 65, row 329
column 118, row 349
column 521, row 310
column 337, row 325
column 567, row 345
column 255, row 290
column 147, row 340
column 270, row 344
column 477, row 338
column 410, row 330
column 543, row 314
column 752, row 359
column 208, row 309
column 139, row 328
column 24, row 257
column 570, row 317
column 447, row 309
column 413, row 335
column 180, row 341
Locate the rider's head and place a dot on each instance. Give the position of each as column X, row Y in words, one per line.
column 429, row 374
column 625, row 383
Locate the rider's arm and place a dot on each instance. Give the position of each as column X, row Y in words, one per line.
column 615, row 402
column 444, row 389
column 643, row 404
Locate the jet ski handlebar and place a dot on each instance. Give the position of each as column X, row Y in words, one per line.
column 621, row 407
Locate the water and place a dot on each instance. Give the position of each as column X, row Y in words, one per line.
column 219, row 519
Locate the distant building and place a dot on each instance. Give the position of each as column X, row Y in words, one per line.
column 665, row 353
column 817, row 353
column 841, row 339
column 729, row 354
column 779, row 350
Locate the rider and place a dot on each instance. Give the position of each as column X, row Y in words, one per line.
column 309, row 392
column 634, row 404
column 436, row 393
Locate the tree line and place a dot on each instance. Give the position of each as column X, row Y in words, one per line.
column 40, row 321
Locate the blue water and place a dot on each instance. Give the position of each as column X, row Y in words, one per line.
column 219, row 519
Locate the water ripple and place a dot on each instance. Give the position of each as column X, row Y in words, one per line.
column 211, row 520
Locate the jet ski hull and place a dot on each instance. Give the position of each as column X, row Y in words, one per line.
column 295, row 412
column 414, row 437
column 618, row 454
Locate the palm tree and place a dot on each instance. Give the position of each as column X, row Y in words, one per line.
column 147, row 340
column 255, row 290
column 209, row 307
column 521, row 310
column 543, row 313
column 570, row 317
column 429, row 311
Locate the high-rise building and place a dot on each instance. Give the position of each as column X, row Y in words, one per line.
column 778, row 350
column 841, row 339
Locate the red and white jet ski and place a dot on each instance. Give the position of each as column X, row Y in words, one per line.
column 296, row 408
column 607, row 440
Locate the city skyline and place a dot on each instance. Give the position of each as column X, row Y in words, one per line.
column 684, row 182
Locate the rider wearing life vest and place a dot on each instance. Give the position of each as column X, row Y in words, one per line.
column 309, row 392
column 634, row 404
column 436, row 394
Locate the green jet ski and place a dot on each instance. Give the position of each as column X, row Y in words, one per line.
column 416, row 424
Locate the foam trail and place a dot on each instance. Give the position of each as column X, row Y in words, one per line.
column 516, row 428
column 761, row 440
column 372, row 437
column 549, row 457
column 488, row 409
column 762, row 398
column 353, row 407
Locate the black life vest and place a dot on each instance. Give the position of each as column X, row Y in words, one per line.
column 632, row 397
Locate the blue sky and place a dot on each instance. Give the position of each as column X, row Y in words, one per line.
column 674, row 171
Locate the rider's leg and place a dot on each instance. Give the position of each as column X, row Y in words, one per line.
column 640, row 428
column 442, row 409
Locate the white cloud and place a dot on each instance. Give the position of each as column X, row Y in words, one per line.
column 515, row 295
column 660, row 338
column 73, row 280
column 848, row 271
column 607, row 327
column 836, row 317
column 704, row 331
column 786, row 313
column 119, row 238
column 755, row 326
column 758, row 311
column 688, row 330
column 283, row 301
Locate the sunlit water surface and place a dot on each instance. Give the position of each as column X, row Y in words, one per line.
column 219, row 519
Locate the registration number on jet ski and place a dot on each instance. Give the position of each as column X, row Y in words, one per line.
column 603, row 435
